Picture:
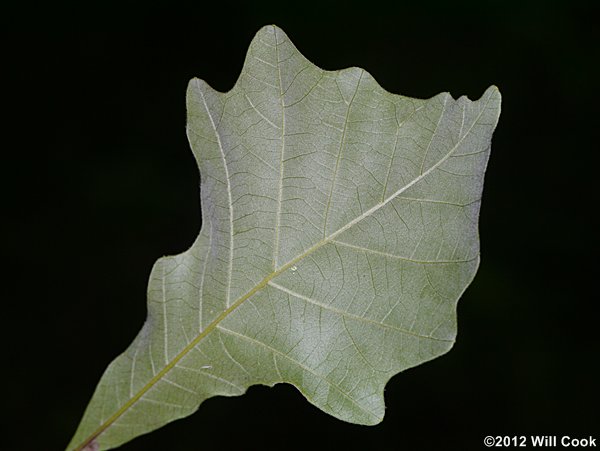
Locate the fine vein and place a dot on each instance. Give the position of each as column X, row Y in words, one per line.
column 281, row 160
column 228, row 183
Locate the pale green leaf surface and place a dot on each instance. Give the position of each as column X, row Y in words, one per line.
column 339, row 230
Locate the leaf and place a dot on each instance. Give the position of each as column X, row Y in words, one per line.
column 339, row 230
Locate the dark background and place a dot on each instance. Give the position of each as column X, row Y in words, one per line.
column 99, row 182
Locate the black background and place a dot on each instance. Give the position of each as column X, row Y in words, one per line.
column 99, row 182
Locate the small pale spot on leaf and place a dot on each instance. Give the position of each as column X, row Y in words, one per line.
column 92, row 446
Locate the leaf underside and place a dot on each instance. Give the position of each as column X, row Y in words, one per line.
column 339, row 230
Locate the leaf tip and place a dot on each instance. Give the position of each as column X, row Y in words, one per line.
column 269, row 29
column 493, row 91
column 194, row 83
